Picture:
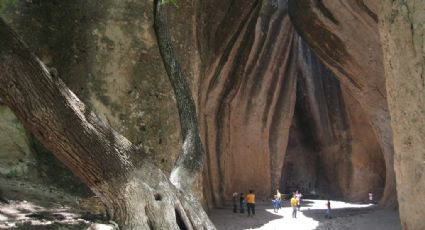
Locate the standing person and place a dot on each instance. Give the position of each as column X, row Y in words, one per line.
column 370, row 197
column 279, row 198
column 276, row 204
column 298, row 196
column 294, row 204
column 328, row 210
column 235, row 202
column 241, row 203
column 250, row 202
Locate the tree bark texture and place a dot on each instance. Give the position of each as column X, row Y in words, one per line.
column 189, row 164
column 136, row 193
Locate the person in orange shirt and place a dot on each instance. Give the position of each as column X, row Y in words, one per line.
column 250, row 202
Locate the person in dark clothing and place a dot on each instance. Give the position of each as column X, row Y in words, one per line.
column 328, row 210
column 241, row 203
column 235, row 202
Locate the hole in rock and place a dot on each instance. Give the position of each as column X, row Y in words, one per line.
column 158, row 197
column 180, row 221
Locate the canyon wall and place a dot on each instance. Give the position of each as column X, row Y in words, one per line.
column 264, row 87
column 247, row 101
column 290, row 95
column 334, row 141
column 345, row 36
column 403, row 38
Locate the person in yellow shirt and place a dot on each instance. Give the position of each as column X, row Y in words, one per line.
column 250, row 202
column 294, row 204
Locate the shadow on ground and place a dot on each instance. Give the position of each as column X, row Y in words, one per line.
column 225, row 218
column 30, row 206
column 347, row 216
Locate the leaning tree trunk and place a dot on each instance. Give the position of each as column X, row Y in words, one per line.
column 136, row 193
column 189, row 164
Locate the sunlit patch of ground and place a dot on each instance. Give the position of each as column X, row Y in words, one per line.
column 26, row 214
column 31, row 206
column 29, row 216
column 312, row 216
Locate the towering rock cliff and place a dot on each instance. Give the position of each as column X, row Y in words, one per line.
column 264, row 87
column 332, row 147
column 246, row 104
column 345, row 36
column 402, row 35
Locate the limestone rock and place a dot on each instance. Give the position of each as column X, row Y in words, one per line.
column 345, row 36
column 246, row 104
column 402, row 34
column 332, row 149
column 16, row 159
column 269, row 88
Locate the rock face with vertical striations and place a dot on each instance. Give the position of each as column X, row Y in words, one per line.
column 345, row 36
column 291, row 94
column 274, row 117
column 332, row 149
column 260, row 87
column 246, row 104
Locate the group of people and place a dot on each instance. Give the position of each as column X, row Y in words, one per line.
column 248, row 200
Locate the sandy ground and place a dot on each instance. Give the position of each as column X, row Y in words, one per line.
column 345, row 216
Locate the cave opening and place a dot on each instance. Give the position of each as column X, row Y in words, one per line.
column 332, row 151
column 299, row 171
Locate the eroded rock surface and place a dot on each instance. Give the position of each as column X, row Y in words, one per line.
column 332, row 148
column 265, row 100
column 16, row 159
column 247, row 102
column 402, row 33
column 345, row 36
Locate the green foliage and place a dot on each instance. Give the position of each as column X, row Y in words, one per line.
column 13, row 173
column 164, row 2
column 4, row 4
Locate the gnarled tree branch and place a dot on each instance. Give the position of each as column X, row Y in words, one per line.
column 137, row 194
column 190, row 161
